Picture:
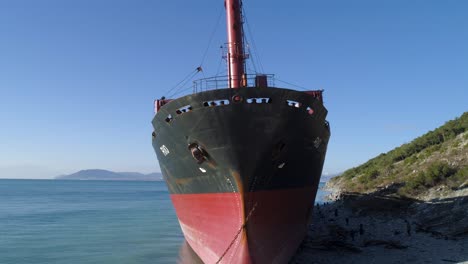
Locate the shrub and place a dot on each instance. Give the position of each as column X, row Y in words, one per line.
column 458, row 178
column 437, row 172
column 411, row 160
column 430, row 177
column 369, row 176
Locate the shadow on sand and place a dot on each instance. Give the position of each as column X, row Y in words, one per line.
column 383, row 228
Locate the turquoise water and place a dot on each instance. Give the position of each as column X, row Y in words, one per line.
column 80, row 222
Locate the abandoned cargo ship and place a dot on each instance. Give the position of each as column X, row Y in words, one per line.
column 243, row 162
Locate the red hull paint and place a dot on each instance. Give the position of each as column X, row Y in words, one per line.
column 213, row 224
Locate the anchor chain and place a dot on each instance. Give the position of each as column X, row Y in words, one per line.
column 238, row 233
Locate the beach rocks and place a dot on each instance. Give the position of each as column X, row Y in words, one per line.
column 379, row 229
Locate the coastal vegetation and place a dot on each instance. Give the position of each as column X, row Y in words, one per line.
column 437, row 159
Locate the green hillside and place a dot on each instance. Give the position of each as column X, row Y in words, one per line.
column 438, row 158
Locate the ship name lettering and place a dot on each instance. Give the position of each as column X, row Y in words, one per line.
column 164, row 150
column 317, row 142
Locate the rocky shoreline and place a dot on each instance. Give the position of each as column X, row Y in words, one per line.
column 382, row 228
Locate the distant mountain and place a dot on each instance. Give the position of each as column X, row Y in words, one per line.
column 328, row 176
column 105, row 175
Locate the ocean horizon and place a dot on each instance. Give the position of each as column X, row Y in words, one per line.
column 79, row 221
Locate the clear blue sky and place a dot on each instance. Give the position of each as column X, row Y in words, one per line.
column 78, row 78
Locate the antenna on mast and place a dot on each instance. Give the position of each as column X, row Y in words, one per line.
column 235, row 45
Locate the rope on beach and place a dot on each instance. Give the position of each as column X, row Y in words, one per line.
column 238, row 233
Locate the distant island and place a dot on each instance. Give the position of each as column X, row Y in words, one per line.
column 105, row 175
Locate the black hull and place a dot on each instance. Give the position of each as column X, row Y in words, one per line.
column 250, row 146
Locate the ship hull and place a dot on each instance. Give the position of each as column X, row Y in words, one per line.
column 213, row 225
column 248, row 199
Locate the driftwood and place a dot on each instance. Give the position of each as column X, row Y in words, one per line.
column 333, row 245
column 424, row 229
column 387, row 244
column 450, row 260
column 460, row 233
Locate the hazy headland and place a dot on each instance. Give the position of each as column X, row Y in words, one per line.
column 105, row 175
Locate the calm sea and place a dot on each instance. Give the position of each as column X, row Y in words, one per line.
column 80, row 222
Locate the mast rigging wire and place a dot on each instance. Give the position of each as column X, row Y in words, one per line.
column 177, row 85
column 292, row 84
column 256, row 56
column 213, row 32
column 192, row 74
column 182, row 83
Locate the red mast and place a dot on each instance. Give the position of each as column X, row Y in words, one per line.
column 235, row 45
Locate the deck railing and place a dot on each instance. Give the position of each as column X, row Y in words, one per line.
column 221, row 82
